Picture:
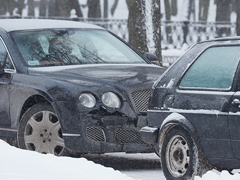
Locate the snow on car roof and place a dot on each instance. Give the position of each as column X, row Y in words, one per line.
column 29, row 24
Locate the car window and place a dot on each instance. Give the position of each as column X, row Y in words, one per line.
column 4, row 56
column 57, row 47
column 214, row 69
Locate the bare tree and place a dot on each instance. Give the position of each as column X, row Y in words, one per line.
column 156, row 20
column 238, row 17
column 52, row 8
column 137, row 25
column 59, row 8
column 94, row 8
column 174, row 8
column 167, row 10
column 191, row 9
column 62, row 8
column 43, row 9
column 105, row 10
column 20, row 6
column 203, row 10
column 74, row 4
column 31, row 8
column 12, row 7
column 168, row 18
column 114, row 6
column 3, row 7
column 223, row 15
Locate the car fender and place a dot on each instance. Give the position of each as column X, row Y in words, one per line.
column 19, row 102
column 175, row 119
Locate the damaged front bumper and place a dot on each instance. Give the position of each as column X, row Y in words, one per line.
column 101, row 132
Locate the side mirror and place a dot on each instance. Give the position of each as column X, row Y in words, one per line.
column 151, row 57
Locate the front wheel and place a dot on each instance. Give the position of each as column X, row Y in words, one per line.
column 179, row 155
column 39, row 130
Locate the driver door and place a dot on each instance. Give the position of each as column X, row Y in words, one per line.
column 5, row 79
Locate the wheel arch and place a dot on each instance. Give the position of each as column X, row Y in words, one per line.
column 173, row 120
column 32, row 100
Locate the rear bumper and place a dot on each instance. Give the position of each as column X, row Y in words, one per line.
column 149, row 135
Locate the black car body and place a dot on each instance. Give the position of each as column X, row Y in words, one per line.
column 193, row 116
column 71, row 100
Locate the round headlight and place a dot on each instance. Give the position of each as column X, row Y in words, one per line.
column 87, row 100
column 111, row 100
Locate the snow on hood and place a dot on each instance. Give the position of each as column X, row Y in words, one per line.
column 17, row 164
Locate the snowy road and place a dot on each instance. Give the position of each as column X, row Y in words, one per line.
column 137, row 166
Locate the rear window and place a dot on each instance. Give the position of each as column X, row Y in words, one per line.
column 214, row 69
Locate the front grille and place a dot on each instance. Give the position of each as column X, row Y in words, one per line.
column 96, row 134
column 128, row 136
column 141, row 99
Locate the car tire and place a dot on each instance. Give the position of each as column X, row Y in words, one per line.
column 180, row 156
column 39, row 130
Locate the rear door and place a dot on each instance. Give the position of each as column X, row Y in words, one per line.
column 6, row 68
column 234, row 122
column 205, row 95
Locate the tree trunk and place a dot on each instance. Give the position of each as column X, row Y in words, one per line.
column 20, row 6
column 3, row 7
column 94, row 9
column 105, row 12
column 238, row 17
column 156, row 20
column 223, row 15
column 168, row 18
column 203, row 10
column 74, row 4
column 174, row 8
column 167, row 10
column 43, row 8
column 191, row 9
column 31, row 8
column 137, row 25
column 223, row 10
column 11, row 6
column 52, row 8
column 114, row 6
column 64, row 8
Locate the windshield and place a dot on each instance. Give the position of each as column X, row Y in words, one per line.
column 72, row 46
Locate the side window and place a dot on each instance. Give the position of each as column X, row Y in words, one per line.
column 4, row 56
column 214, row 69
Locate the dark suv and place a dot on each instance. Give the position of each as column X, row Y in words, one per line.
column 194, row 113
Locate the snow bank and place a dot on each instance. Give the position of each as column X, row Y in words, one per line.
column 216, row 175
column 17, row 164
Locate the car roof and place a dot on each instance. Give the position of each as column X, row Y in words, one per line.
column 232, row 38
column 31, row 24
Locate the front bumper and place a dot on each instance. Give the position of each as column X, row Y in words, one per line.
column 94, row 133
column 106, row 138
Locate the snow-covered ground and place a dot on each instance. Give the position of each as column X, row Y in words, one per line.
column 17, row 164
column 216, row 175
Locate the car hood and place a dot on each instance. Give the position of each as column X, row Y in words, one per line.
column 117, row 75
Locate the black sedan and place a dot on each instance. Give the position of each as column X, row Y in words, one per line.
column 194, row 113
column 68, row 88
